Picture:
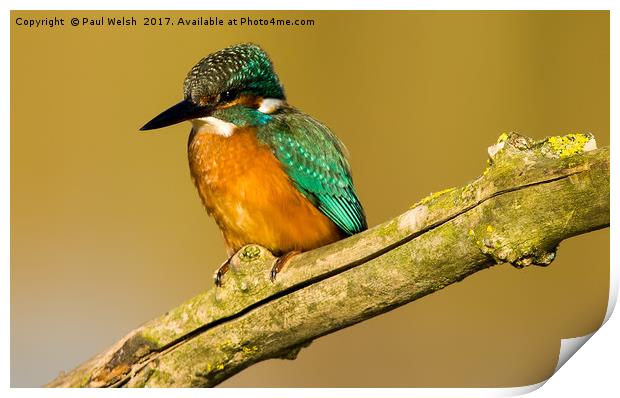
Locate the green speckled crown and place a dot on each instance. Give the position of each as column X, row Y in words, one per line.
column 242, row 67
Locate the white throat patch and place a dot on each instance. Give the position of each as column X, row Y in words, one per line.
column 270, row 105
column 213, row 125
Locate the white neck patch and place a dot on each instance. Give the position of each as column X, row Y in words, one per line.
column 213, row 125
column 270, row 105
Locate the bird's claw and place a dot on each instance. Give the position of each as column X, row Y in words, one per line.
column 220, row 273
column 273, row 273
column 280, row 263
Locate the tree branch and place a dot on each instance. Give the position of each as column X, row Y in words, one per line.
column 532, row 195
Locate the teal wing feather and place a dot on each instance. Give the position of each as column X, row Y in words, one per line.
column 315, row 160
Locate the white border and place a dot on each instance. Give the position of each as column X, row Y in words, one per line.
column 593, row 372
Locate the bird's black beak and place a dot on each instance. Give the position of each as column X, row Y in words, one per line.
column 184, row 110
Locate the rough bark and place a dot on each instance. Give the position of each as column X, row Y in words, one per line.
column 532, row 195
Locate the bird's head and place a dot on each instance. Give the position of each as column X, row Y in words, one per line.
column 227, row 88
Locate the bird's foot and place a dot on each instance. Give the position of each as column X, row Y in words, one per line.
column 281, row 262
column 221, row 271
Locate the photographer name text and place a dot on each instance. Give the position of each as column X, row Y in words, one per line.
column 208, row 21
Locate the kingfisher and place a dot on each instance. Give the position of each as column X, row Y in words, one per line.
column 267, row 173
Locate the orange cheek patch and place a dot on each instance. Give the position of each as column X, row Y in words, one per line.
column 250, row 101
column 207, row 100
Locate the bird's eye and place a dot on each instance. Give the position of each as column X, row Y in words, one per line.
column 228, row 96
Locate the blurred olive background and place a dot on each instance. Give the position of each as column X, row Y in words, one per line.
column 107, row 230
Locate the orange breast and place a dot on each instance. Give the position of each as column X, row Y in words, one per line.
column 243, row 186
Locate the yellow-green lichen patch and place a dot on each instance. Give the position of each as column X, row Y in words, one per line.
column 432, row 196
column 160, row 377
column 249, row 253
column 152, row 337
column 249, row 350
column 502, row 137
column 468, row 192
column 84, row 381
column 214, row 368
column 567, row 145
column 387, row 230
column 449, row 233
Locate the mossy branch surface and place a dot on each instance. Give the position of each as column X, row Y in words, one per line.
column 532, row 195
